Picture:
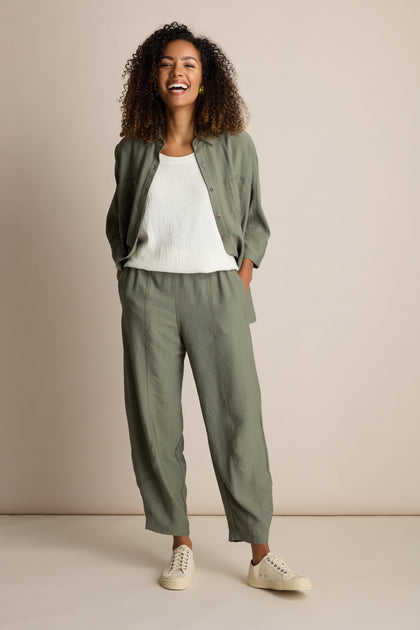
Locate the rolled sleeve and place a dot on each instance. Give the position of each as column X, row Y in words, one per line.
column 112, row 228
column 257, row 230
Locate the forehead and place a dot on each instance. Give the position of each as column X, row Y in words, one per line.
column 179, row 48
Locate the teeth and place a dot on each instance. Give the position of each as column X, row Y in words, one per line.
column 177, row 85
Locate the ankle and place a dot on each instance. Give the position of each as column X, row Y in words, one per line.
column 259, row 552
column 181, row 540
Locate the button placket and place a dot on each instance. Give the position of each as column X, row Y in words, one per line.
column 214, row 201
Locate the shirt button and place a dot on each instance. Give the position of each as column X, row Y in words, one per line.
column 218, row 216
column 211, row 188
column 224, row 237
column 203, row 164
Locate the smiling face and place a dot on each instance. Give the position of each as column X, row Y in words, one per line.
column 179, row 64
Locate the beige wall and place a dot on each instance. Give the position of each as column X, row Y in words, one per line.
column 333, row 90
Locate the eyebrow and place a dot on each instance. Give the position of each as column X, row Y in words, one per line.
column 168, row 57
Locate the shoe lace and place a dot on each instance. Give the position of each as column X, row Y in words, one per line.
column 278, row 562
column 179, row 559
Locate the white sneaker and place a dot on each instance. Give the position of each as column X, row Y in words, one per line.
column 273, row 572
column 180, row 570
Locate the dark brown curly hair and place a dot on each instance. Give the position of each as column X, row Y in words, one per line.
column 218, row 109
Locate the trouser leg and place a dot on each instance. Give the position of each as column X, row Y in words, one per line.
column 153, row 371
column 216, row 333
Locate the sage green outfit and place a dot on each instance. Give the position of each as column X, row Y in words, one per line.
column 208, row 316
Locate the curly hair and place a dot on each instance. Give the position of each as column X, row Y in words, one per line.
column 218, row 109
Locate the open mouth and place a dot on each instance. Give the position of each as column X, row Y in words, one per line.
column 178, row 88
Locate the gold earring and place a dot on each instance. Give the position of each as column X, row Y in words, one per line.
column 201, row 90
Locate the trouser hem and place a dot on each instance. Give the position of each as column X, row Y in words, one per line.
column 254, row 538
column 173, row 530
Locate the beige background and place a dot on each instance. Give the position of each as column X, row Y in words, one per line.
column 333, row 91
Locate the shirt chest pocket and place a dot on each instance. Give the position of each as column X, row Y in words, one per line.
column 239, row 191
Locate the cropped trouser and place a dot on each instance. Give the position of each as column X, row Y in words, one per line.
column 164, row 315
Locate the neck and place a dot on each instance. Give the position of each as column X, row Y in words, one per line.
column 179, row 126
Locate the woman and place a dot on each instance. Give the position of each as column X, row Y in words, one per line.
column 186, row 229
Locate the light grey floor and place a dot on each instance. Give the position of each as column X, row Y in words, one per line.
column 101, row 572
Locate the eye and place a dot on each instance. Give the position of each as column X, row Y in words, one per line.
column 189, row 65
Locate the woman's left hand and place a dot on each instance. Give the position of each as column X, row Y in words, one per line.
column 245, row 272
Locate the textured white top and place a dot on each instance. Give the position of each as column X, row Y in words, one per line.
column 178, row 231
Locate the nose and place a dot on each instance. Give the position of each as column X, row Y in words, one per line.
column 175, row 70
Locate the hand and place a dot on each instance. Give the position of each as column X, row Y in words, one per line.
column 245, row 272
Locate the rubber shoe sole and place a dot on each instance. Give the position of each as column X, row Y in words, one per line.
column 176, row 582
column 294, row 584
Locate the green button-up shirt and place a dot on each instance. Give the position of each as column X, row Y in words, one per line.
column 229, row 166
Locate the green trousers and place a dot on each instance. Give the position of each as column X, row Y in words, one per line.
column 165, row 315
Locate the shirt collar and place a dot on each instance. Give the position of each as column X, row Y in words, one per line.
column 159, row 139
